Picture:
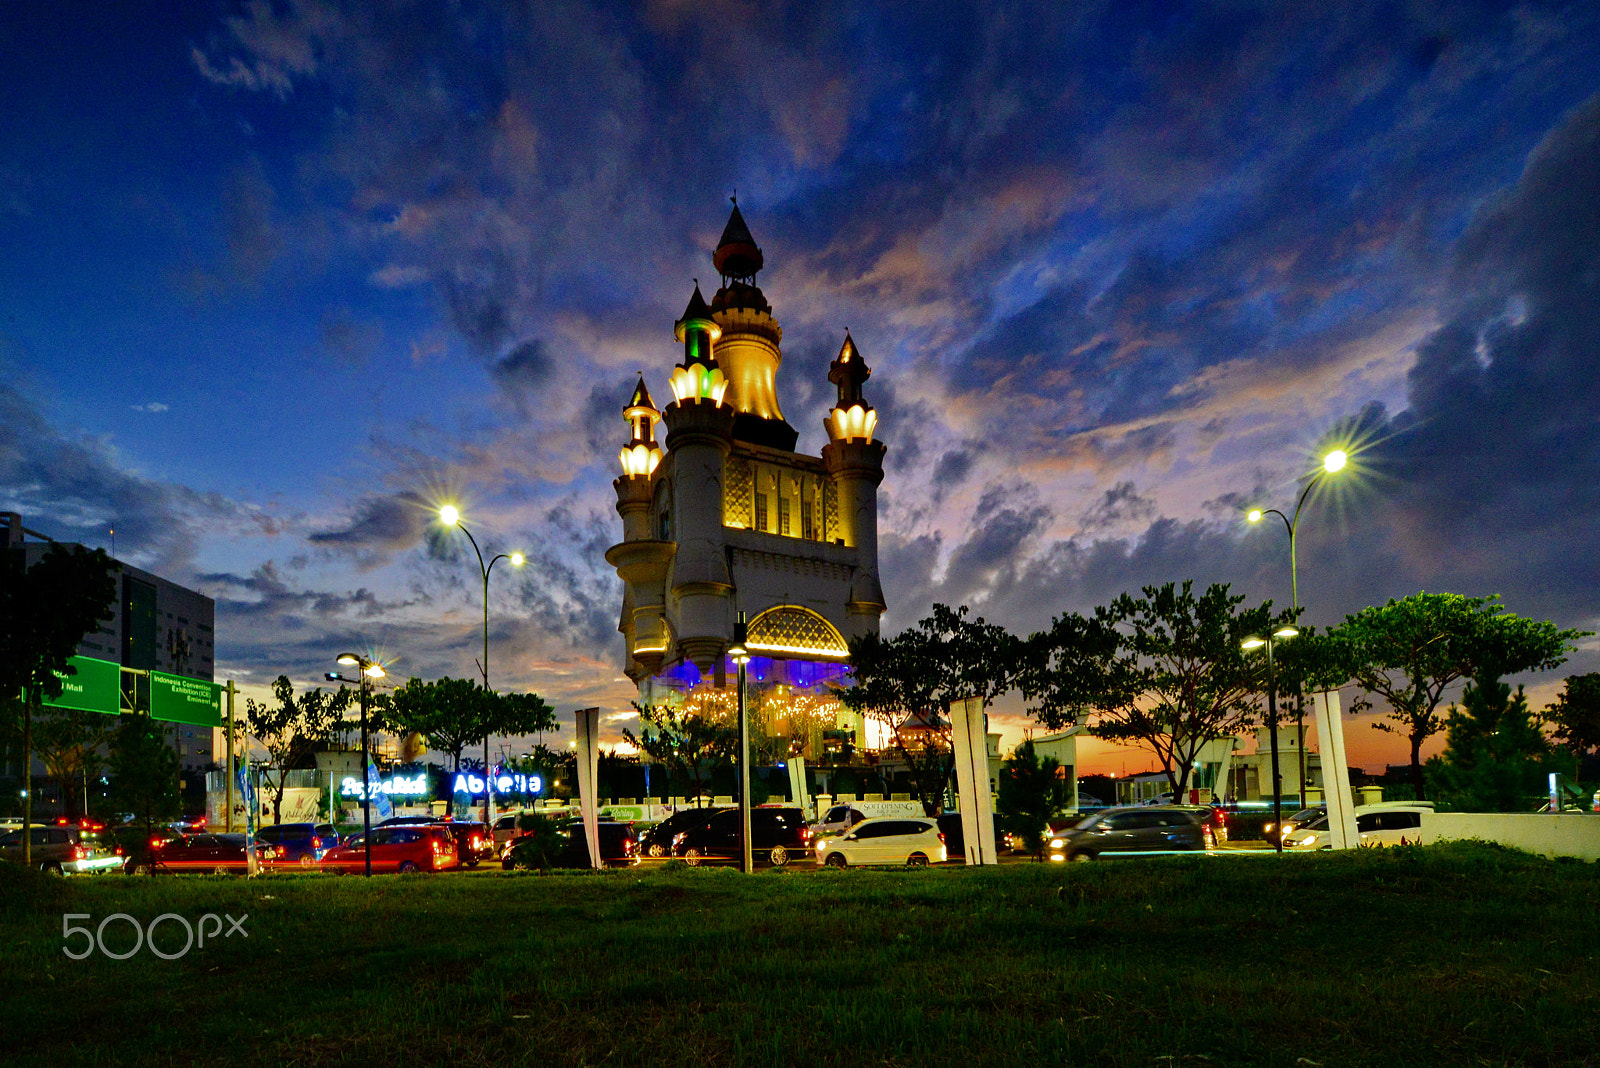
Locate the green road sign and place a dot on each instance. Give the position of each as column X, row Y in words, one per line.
column 95, row 687
column 179, row 700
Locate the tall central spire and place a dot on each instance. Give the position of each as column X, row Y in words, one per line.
column 748, row 350
column 738, row 257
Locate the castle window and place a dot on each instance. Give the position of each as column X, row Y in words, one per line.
column 783, row 516
column 761, row 511
column 666, row 526
column 808, row 528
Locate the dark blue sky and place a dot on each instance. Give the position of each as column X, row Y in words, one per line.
column 277, row 277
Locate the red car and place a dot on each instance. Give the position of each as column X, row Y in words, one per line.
column 422, row 847
column 221, row 854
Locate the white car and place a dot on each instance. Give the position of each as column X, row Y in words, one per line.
column 885, row 840
column 836, row 821
column 1384, row 824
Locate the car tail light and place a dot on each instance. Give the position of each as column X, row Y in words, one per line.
column 79, row 853
column 941, row 838
column 438, row 846
column 316, row 843
column 477, row 843
column 805, row 834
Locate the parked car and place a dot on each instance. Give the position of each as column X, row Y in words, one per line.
column 300, row 843
column 474, row 841
column 220, row 854
column 777, row 835
column 656, row 841
column 836, row 821
column 1131, row 829
column 1304, row 818
column 1088, row 803
column 1386, row 823
column 619, row 847
column 505, row 829
column 955, row 838
column 134, row 846
column 1213, row 823
column 402, row 848
column 61, row 850
column 884, row 840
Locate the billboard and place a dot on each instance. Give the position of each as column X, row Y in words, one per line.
column 181, row 700
column 95, row 686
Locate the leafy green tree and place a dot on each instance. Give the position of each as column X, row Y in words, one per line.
column 541, row 839
column 45, row 611
column 1408, row 652
column 70, row 743
column 1575, row 714
column 1496, row 758
column 689, row 745
column 144, row 774
column 1163, row 672
column 455, row 713
column 907, row 683
column 291, row 729
column 1032, row 791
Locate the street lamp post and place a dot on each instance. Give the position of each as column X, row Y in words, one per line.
column 741, row 656
column 1256, row 642
column 450, row 516
column 1331, row 463
column 370, row 669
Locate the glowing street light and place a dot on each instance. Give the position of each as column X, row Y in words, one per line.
column 450, row 516
column 369, row 669
column 1333, row 462
column 740, row 652
column 1256, row 642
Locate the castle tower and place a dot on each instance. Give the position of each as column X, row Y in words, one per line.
column 729, row 518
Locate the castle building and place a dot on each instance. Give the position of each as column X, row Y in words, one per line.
column 724, row 517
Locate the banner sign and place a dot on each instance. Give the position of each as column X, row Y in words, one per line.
column 380, row 798
column 589, row 777
column 96, row 686
column 968, row 733
column 177, row 699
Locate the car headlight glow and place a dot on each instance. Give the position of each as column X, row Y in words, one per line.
column 1057, row 843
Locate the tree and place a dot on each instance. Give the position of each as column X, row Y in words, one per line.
column 908, row 682
column 686, row 742
column 290, row 730
column 144, row 774
column 45, row 611
column 1409, row 651
column 455, row 713
column 1496, row 758
column 1032, row 791
column 1575, row 714
column 70, row 743
column 1163, row 672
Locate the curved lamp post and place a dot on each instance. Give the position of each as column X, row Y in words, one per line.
column 740, row 652
column 1333, row 462
column 370, row 669
column 1256, row 642
column 450, row 516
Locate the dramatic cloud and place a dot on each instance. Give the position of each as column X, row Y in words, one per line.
column 1119, row 276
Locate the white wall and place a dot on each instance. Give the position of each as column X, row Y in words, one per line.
column 1561, row 834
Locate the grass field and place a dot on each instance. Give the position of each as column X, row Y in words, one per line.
column 1454, row 955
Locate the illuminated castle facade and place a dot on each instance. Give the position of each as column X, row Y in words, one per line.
column 724, row 516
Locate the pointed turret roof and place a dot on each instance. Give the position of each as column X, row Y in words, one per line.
column 849, row 371
column 737, row 254
column 641, row 397
column 698, row 308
